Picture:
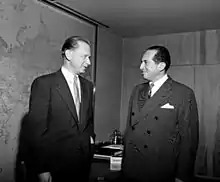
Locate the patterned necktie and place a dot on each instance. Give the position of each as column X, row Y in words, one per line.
column 76, row 95
column 151, row 84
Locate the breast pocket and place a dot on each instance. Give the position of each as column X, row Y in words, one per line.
column 165, row 120
column 167, row 113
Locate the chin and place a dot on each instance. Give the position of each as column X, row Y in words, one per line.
column 82, row 71
column 145, row 77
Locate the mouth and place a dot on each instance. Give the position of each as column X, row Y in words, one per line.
column 84, row 68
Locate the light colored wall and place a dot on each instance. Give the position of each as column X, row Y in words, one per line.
column 108, row 84
column 31, row 36
column 195, row 62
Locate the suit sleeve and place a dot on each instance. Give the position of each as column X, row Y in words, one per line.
column 90, row 121
column 189, row 133
column 128, row 123
column 38, row 115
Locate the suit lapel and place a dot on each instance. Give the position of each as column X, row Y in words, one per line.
column 83, row 99
column 65, row 93
column 160, row 97
column 142, row 95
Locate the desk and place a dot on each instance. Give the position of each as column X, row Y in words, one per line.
column 100, row 169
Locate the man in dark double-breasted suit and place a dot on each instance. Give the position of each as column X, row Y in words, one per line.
column 61, row 128
column 161, row 136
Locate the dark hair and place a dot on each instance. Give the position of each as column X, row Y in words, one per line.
column 162, row 55
column 72, row 43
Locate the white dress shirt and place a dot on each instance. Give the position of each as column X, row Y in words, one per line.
column 69, row 78
column 158, row 84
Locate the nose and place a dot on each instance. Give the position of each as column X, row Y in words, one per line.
column 88, row 61
column 142, row 66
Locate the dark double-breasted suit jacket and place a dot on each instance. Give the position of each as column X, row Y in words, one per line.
column 161, row 142
column 60, row 140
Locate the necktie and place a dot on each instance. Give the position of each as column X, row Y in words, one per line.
column 151, row 84
column 76, row 95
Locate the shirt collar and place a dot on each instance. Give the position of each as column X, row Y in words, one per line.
column 67, row 73
column 160, row 82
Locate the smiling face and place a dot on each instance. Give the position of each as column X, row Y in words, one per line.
column 79, row 58
column 150, row 69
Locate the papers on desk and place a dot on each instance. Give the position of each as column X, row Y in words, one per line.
column 113, row 153
column 119, row 147
column 100, row 156
column 105, row 152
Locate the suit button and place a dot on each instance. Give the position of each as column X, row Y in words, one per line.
column 148, row 132
column 132, row 113
column 145, row 146
column 156, row 117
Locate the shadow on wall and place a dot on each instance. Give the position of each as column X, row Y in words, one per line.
column 24, row 171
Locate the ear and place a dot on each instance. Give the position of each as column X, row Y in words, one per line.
column 161, row 66
column 68, row 54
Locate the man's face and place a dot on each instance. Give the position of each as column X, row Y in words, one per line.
column 80, row 57
column 149, row 68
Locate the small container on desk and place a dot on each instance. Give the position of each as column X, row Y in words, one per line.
column 115, row 163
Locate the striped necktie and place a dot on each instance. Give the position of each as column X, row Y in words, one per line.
column 151, row 84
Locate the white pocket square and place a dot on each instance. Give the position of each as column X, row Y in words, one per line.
column 167, row 106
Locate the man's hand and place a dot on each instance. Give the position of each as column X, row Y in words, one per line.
column 178, row 180
column 45, row 177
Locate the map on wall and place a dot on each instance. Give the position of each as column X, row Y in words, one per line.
column 29, row 47
column 21, row 42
